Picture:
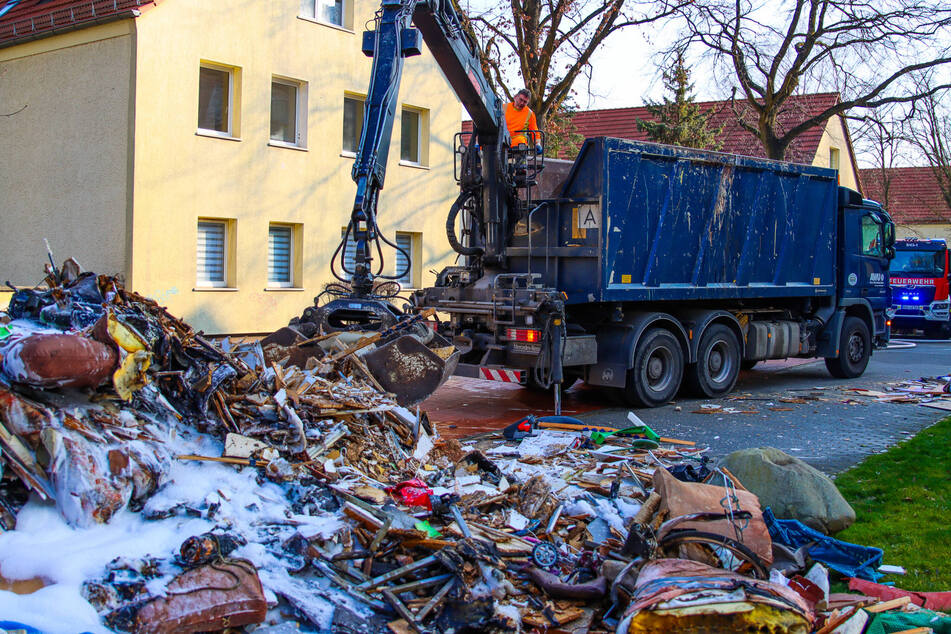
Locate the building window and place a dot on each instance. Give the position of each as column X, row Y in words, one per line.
column 336, row 12
column 834, row 158
column 280, row 256
column 414, row 136
column 288, row 112
column 216, row 97
column 409, row 138
column 406, row 264
column 352, row 123
column 215, row 252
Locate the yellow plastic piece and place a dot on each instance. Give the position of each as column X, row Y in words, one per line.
column 720, row 618
column 126, row 338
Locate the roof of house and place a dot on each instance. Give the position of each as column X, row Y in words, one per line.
column 622, row 122
column 913, row 194
column 22, row 20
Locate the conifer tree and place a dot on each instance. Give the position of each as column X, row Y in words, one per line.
column 678, row 120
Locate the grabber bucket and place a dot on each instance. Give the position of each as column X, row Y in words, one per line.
column 409, row 369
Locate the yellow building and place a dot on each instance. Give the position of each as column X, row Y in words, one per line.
column 203, row 150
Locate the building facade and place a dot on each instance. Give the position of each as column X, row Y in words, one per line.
column 203, row 150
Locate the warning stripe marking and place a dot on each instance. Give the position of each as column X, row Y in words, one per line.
column 505, row 376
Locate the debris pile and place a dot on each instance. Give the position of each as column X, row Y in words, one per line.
column 276, row 486
column 934, row 392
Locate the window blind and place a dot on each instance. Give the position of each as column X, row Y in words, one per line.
column 211, row 252
column 279, row 255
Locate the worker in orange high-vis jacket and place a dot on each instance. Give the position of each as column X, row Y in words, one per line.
column 520, row 120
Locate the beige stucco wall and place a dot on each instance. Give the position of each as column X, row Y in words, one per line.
column 923, row 231
column 181, row 176
column 835, row 136
column 65, row 157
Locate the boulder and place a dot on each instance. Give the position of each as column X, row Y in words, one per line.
column 791, row 488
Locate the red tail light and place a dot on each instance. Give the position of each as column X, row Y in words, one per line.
column 523, row 334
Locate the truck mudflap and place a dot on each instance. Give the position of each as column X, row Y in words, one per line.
column 829, row 337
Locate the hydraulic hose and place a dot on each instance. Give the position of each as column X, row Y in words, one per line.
column 544, row 362
column 451, row 226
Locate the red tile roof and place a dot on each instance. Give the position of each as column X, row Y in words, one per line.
column 622, row 122
column 914, row 196
column 29, row 19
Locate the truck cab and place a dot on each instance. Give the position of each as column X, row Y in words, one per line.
column 919, row 283
column 868, row 236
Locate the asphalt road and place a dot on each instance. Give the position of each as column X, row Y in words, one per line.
column 832, row 431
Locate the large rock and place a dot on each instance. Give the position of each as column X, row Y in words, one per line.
column 791, row 488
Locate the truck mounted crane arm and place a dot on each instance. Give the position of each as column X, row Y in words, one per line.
column 393, row 39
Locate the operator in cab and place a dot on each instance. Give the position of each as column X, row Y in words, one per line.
column 520, row 120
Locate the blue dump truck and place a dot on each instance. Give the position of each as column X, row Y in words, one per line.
column 649, row 268
column 654, row 267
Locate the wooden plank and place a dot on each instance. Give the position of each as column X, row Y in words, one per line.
column 942, row 404
column 884, row 606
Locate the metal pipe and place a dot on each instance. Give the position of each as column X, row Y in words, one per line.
column 399, row 572
column 439, row 596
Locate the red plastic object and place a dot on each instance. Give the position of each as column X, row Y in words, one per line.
column 412, row 493
column 209, row 598
column 807, row 589
column 939, row 601
column 59, row 360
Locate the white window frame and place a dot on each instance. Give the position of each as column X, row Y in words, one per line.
column 363, row 103
column 310, row 11
column 300, row 123
column 226, row 253
column 232, row 105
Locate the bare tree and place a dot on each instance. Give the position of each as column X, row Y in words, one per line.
column 929, row 131
column 879, row 136
column 866, row 50
column 545, row 45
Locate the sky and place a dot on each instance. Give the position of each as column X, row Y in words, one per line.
column 615, row 81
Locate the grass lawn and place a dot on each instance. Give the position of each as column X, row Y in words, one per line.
column 902, row 499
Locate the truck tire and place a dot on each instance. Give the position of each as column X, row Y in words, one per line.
column 855, row 348
column 657, row 372
column 718, row 363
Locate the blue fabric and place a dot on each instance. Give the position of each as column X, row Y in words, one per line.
column 13, row 625
column 851, row 560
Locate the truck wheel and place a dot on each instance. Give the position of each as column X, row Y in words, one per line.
column 657, row 372
column 855, row 348
column 718, row 363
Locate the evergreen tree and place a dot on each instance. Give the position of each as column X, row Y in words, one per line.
column 679, row 121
